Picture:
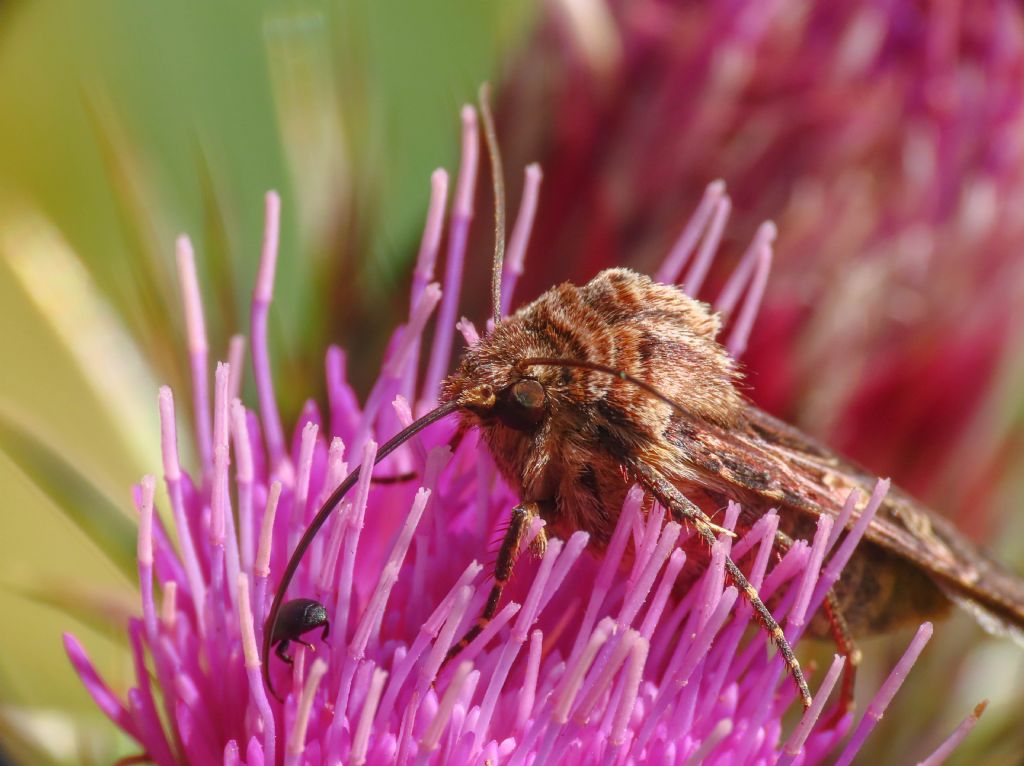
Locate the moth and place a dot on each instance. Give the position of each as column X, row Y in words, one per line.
column 591, row 389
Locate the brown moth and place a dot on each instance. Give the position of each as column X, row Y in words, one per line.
column 573, row 440
column 589, row 390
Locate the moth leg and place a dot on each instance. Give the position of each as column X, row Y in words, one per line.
column 848, row 648
column 507, row 555
column 398, row 478
column 684, row 510
column 841, row 635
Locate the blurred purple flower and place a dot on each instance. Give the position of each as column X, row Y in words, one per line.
column 884, row 139
column 590, row 661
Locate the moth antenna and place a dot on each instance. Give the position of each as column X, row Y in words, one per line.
column 498, row 177
column 543, row 361
column 324, row 513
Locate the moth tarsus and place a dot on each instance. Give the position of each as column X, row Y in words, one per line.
column 841, row 637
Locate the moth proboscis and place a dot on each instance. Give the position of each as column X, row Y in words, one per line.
column 591, row 389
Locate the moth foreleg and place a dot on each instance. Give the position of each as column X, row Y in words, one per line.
column 684, row 510
column 503, row 566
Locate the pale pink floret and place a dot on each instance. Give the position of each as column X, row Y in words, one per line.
column 695, row 228
column 589, row 660
column 198, row 351
column 462, row 217
column 943, row 751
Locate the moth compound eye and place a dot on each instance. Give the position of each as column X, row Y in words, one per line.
column 529, row 394
column 521, row 405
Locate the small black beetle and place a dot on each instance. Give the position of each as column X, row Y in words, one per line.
column 297, row 617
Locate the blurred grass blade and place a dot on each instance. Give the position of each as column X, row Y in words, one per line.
column 75, row 308
column 142, row 297
column 77, row 497
column 220, row 219
column 104, row 609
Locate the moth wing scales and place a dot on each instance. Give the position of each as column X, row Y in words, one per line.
column 807, row 478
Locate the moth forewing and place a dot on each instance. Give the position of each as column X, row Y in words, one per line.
column 912, row 561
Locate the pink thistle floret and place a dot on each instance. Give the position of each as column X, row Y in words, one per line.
column 590, row 660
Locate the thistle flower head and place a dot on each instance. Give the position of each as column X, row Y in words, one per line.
column 590, row 660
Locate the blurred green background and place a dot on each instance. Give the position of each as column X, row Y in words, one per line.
column 124, row 123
